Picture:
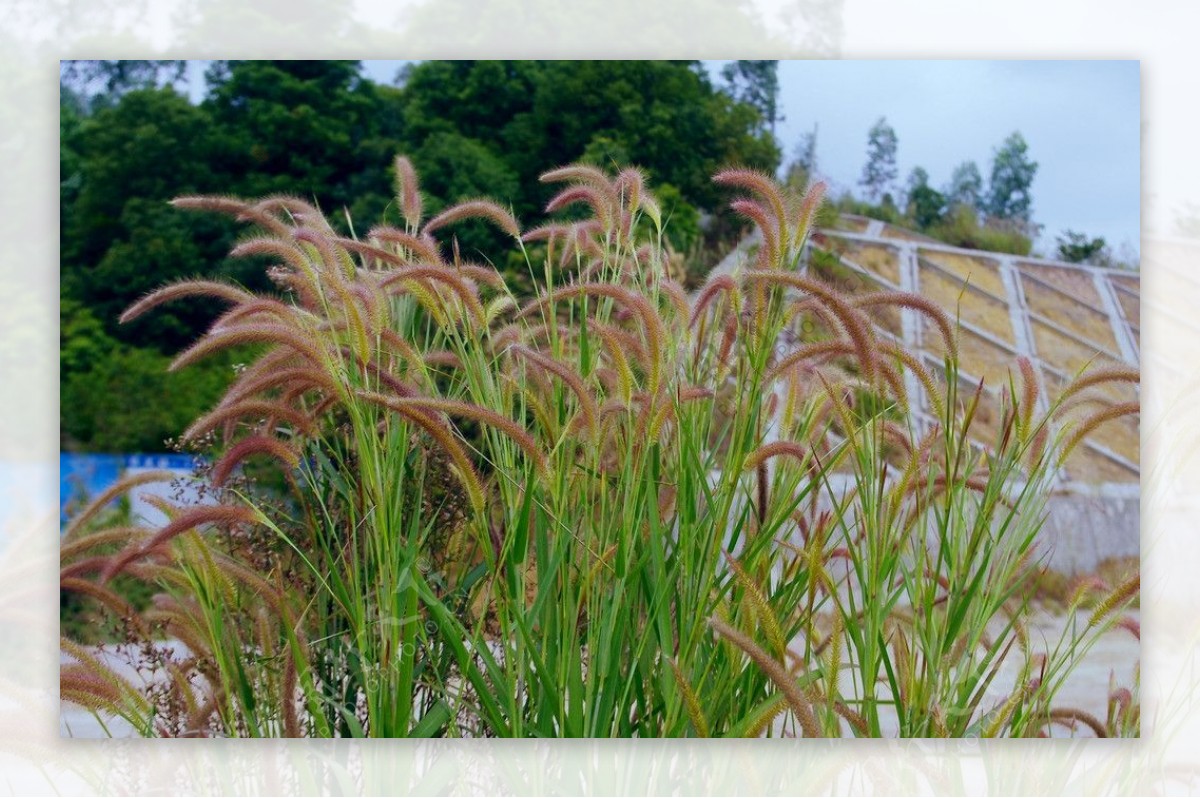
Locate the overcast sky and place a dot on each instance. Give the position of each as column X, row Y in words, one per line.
column 1081, row 120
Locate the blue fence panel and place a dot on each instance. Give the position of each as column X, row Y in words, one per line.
column 82, row 477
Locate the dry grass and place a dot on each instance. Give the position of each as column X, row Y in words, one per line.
column 1089, row 466
column 851, row 224
column 1073, row 282
column 852, row 283
column 980, row 272
column 1130, row 302
column 983, row 311
column 878, row 259
column 979, row 357
column 1080, row 318
column 1063, row 352
column 1126, row 281
column 1109, row 391
column 1122, row 435
column 900, row 234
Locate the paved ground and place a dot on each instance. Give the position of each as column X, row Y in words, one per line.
column 1117, row 652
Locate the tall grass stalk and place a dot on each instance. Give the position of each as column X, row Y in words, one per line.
column 609, row 510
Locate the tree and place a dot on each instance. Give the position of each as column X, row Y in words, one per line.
column 70, row 163
column 82, row 341
column 160, row 244
column 1076, row 247
column 755, row 83
column 926, row 205
column 103, row 83
column 313, row 128
column 961, row 227
column 804, row 161
column 1012, row 176
column 119, row 238
column 319, row 130
column 664, row 116
column 917, row 178
column 127, row 401
column 152, row 145
column 966, row 186
column 880, row 169
column 455, row 168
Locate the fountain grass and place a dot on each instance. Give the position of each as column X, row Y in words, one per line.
column 607, row 510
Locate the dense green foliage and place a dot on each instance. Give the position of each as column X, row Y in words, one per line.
column 926, row 205
column 131, row 141
column 1075, row 247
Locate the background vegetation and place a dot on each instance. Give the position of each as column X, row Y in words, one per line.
column 131, row 140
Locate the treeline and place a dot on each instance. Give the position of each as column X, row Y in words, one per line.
column 967, row 212
column 996, row 215
column 131, row 140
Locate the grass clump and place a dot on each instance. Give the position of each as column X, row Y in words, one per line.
column 611, row 510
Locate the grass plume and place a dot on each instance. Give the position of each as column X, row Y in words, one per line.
column 598, row 507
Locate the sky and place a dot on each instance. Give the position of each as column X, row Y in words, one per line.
column 1081, row 120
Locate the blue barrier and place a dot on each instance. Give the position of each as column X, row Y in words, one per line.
column 84, row 476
